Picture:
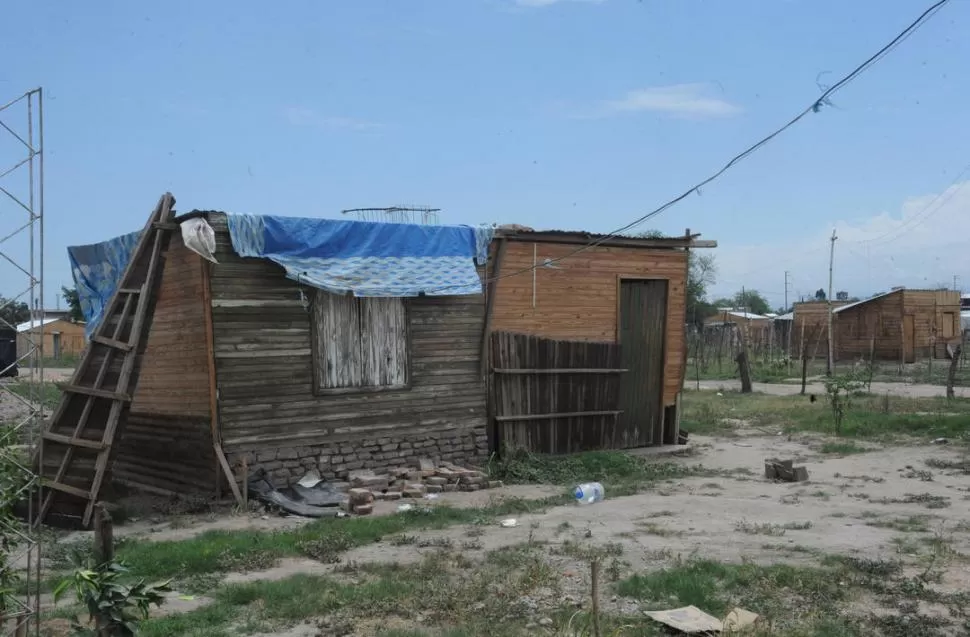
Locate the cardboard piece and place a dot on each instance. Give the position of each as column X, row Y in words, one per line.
column 691, row 620
column 739, row 619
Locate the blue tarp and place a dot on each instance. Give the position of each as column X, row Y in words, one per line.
column 359, row 257
column 97, row 271
column 367, row 258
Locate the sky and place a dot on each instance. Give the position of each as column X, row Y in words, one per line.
column 566, row 114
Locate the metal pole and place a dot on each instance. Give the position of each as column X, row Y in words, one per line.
column 831, row 357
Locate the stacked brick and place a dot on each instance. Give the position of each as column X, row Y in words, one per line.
column 426, row 477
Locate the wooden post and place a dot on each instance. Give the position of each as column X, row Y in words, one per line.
column 104, row 548
column 245, row 483
column 951, row 377
column 594, row 574
column 831, row 358
column 872, row 357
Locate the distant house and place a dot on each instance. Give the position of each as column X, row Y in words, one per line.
column 902, row 325
column 726, row 316
column 62, row 338
column 809, row 327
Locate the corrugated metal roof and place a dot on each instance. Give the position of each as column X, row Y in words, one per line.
column 790, row 316
column 23, row 327
column 872, row 298
column 746, row 315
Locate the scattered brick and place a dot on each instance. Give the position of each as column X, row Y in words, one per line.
column 360, row 497
column 364, row 509
column 433, row 488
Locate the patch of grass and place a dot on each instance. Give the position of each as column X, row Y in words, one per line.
column 842, row 448
column 222, row 551
column 776, row 530
column 921, row 474
column 911, row 524
column 652, row 528
column 868, row 416
column 773, row 591
column 928, row 500
column 620, row 473
column 958, row 466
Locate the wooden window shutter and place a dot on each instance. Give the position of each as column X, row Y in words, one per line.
column 360, row 342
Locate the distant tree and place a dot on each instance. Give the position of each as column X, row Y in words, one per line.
column 13, row 312
column 820, row 295
column 751, row 301
column 701, row 273
column 73, row 301
column 842, row 296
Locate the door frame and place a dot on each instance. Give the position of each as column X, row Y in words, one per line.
column 620, row 278
column 909, row 338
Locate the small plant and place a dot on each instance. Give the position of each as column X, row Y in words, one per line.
column 840, row 389
column 114, row 608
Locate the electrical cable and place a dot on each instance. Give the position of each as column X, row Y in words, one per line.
column 814, row 107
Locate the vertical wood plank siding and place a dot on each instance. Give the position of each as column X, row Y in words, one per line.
column 167, row 442
column 521, row 390
column 883, row 318
column 265, row 370
column 577, row 298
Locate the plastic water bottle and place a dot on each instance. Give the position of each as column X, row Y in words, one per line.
column 589, row 492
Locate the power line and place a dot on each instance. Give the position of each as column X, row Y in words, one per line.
column 946, row 194
column 814, row 107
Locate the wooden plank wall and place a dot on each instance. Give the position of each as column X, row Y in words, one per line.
column 167, row 442
column 881, row 318
column 577, row 298
column 813, row 316
column 521, row 388
column 264, row 365
column 931, row 309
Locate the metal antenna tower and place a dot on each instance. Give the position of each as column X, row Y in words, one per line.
column 422, row 215
column 21, row 381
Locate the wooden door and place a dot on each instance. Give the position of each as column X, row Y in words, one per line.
column 642, row 336
column 909, row 338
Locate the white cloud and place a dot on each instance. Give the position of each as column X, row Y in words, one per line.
column 301, row 116
column 684, row 100
column 923, row 244
column 547, row 3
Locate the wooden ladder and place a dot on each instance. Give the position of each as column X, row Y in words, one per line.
column 76, row 449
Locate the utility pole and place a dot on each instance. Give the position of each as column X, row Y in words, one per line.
column 786, row 290
column 955, row 278
column 831, row 358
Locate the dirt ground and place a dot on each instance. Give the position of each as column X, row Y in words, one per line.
column 851, row 506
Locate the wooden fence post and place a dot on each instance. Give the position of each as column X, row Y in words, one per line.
column 951, row 376
column 104, row 545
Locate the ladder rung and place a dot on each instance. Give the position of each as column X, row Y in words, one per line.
column 73, row 442
column 165, row 226
column 111, row 342
column 91, row 391
column 129, row 290
column 66, row 488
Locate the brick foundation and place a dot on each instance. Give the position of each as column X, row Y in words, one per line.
column 336, row 461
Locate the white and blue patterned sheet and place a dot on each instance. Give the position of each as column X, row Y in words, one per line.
column 360, row 257
column 97, row 271
column 367, row 258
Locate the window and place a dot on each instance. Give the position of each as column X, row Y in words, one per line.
column 360, row 343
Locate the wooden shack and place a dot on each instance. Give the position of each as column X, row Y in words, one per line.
column 62, row 338
column 902, row 325
column 244, row 363
column 295, row 345
column 563, row 306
